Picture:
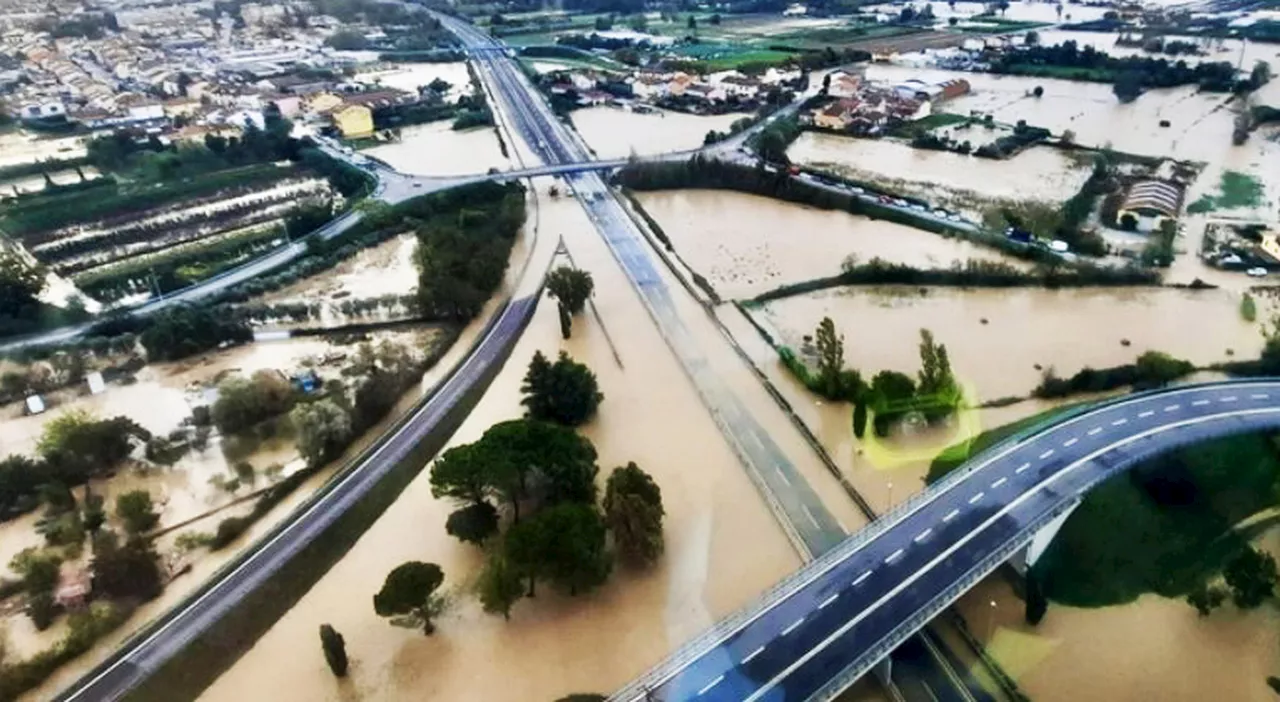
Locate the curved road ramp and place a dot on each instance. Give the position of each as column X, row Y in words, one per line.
column 182, row 652
column 815, row 633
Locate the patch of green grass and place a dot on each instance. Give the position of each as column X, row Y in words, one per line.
column 1235, row 190
column 955, row 455
column 908, row 130
column 1164, row 526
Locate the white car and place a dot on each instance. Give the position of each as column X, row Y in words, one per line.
column 1258, row 272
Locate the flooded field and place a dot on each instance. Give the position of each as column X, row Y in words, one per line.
column 37, row 183
column 553, row 644
column 1044, row 173
column 1110, row 653
column 614, row 132
column 746, row 245
column 410, row 77
column 385, row 269
column 436, row 149
column 24, row 147
column 1022, row 329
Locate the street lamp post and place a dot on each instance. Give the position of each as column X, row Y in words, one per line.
column 890, row 496
column 991, row 620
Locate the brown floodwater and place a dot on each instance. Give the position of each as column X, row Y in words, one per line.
column 1022, row 328
column 436, row 149
column 1043, row 173
column 553, row 644
column 614, row 132
column 747, row 244
column 1153, row 648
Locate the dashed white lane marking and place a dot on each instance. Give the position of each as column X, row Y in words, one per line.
column 975, row 498
column 951, row 515
column 1258, row 396
column 747, row 659
column 893, row 556
column 1069, row 442
column 1171, row 408
column 1046, row 454
column 1228, row 398
column 1022, row 467
column 1094, row 431
column 829, row 600
column 862, row 577
column 710, row 685
column 1119, row 421
column 792, row 626
column 1144, row 415
column 1199, row 403
column 783, row 476
column 999, row 482
column 809, row 514
column 923, row 535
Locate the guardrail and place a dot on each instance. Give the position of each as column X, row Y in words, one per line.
column 793, row 583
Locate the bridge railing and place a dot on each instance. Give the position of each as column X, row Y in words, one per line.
column 712, row 637
column 941, row 601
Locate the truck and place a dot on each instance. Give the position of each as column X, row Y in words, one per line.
column 1018, row 234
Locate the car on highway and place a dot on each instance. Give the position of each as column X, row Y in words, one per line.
column 856, row 190
column 1258, row 272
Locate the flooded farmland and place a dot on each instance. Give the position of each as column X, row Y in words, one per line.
column 997, row 337
column 436, row 149
column 410, row 77
column 613, row 132
column 747, row 244
column 1044, row 173
column 553, row 644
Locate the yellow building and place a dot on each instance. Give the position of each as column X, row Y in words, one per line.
column 353, row 121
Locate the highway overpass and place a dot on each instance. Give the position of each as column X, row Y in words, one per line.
column 822, row 628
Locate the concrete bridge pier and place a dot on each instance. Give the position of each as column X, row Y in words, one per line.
column 884, row 674
column 1023, row 560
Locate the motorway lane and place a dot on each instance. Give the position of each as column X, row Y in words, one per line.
column 807, row 520
column 156, row 644
column 927, row 555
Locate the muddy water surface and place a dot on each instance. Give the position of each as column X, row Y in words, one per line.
column 436, row 149
column 1062, row 329
column 1035, row 174
column 614, row 132
column 411, row 77
column 553, row 645
column 746, row 244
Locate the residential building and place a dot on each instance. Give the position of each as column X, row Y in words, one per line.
column 837, row 115
column 844, row 84
column 353, row 121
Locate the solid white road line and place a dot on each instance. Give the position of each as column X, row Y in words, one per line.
column 747, row 659
column 792, row 627
column 951, row 515
column 893, row 556
column 1022, row 468
column 1070, row 442
column 923, row 535
column 1094, row 431
column 1144, row 415
column 710, row 685
column 1046, row 454
column 765, row 688
column 975, row 498
column 829, row 600
column 999, row 482
column 862, row 577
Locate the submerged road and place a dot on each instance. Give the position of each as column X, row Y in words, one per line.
column 164, row 638
column 828, row 624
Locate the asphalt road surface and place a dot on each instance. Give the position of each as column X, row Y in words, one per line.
column 839, row 615
column 160, row 641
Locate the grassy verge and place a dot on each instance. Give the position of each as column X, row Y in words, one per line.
column 1162, row 527
column 1235, row 190
column 955, row 455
